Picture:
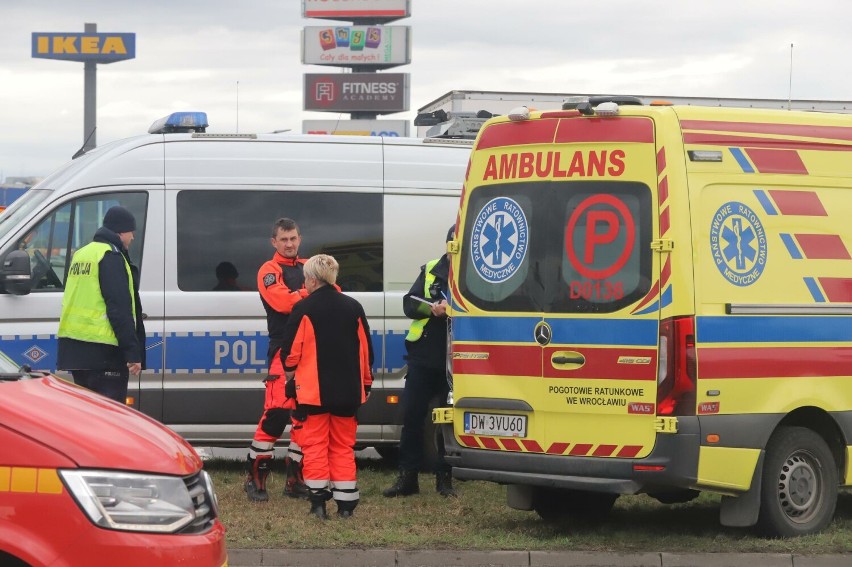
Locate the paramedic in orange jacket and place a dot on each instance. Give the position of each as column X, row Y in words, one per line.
column 281, row 285
column 328, row 364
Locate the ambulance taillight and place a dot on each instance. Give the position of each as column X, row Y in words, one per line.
column 676, row 370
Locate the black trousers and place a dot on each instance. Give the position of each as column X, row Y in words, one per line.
column 109, row 383
column 421, row 385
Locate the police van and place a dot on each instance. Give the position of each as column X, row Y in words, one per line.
column 656, row 299
column 205, row 205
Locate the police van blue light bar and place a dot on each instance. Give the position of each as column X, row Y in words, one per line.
column 180, row 122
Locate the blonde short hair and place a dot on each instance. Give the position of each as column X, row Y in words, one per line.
column 322, row 267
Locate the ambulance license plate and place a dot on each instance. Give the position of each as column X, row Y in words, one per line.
column 496, row 424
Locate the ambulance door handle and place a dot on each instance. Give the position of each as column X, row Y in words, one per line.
column 567, row 360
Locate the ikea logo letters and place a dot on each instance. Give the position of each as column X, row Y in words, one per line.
column 91, row 47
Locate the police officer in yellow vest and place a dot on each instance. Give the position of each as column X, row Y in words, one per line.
column 101, row 334
column 426, row 344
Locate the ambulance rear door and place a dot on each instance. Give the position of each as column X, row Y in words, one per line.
column 558, row 249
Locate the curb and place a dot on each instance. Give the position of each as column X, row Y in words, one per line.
column 449, row 558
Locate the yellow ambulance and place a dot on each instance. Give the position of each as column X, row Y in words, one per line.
column 656, row 299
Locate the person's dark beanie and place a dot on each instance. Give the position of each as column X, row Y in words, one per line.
column 451, row 233
column 118, row 219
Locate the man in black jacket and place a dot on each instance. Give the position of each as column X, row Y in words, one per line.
column 101, row 333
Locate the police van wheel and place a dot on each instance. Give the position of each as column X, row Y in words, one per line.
column 799, row 489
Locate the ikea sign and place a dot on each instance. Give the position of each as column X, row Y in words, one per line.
column 85, row 47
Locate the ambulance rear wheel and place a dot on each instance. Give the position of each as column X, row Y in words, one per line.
column 799, row 489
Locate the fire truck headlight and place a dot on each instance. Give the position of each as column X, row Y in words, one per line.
column 130, row 501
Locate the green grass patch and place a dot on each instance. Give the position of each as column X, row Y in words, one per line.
column 479, row 519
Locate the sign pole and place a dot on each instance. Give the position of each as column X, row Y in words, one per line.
column 90, row 97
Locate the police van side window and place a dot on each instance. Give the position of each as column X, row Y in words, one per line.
column 223, row 237
column 53, row 241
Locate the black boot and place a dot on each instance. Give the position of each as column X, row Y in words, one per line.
column 295, row 486
column 318, row 499
column 444, row 484
column 346, row 508
column 405, row 485
column 256, row 475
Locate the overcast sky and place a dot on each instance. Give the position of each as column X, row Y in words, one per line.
column 190, row 54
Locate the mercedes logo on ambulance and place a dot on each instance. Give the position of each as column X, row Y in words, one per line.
column 543, row 333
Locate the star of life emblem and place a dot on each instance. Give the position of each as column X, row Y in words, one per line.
column 499, row 240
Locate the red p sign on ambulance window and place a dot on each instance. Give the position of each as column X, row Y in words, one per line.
column 606, row 217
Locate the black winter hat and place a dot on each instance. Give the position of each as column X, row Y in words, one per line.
column 118, row 219
column 451, row 233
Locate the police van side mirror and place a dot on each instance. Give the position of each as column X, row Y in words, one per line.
column 15, row 273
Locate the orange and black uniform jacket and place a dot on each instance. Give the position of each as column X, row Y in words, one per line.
column 281, row 284
column 328, row 341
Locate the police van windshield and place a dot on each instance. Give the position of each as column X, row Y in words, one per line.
column 20, row 209
column 557, row 246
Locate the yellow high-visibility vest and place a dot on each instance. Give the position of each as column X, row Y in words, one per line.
column 417, row 326
column 84, row 315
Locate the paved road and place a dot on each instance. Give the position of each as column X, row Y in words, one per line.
column 441, row 558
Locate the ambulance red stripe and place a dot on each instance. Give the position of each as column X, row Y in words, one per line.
column 665, row 222
column 777, row 161
column 580, row 449
column 663, row 190
column 630, row 130
column 802, row 203
column 703, row 138
column 498, row 360
column 655, row 290
column 511, row 444
column 823, row 247
column 629, row 451
column 604, row 450
column 824, row 132
column 837, row 290
column 661, row 160
column 754, row 361
column 557, row 448
column 526, row 360
column 602, row 364
column 517, row 134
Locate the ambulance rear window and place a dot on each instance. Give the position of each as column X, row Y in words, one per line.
column 557, row 246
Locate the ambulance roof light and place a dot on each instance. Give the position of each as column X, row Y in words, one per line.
column 519, row 113
column 607, row 109
column 180, row 122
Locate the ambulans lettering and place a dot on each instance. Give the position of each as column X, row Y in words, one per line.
column 738, row 243
column 524, row 165
column 499, row 240
column 80, row 269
